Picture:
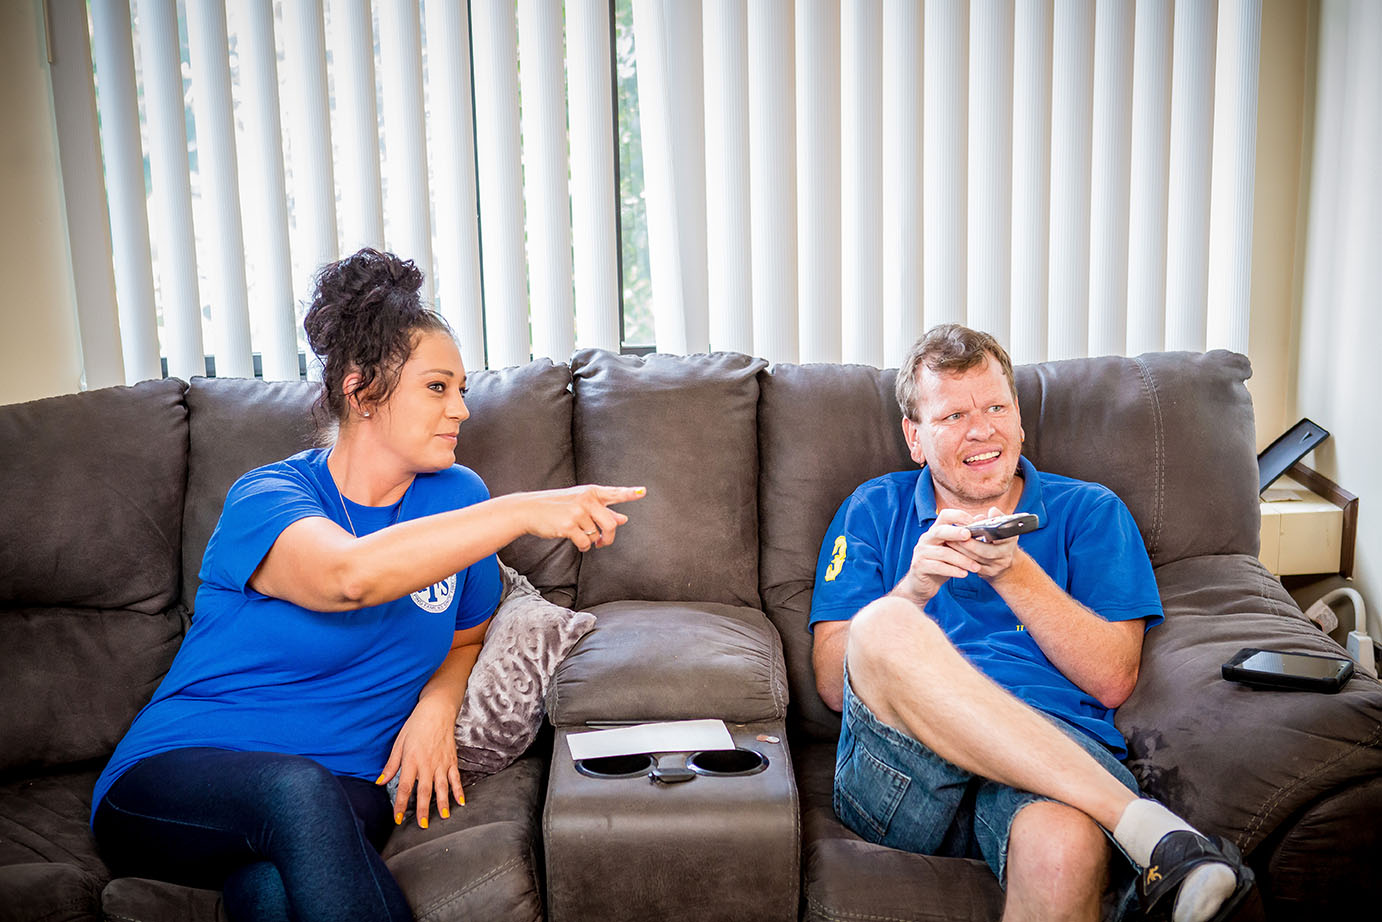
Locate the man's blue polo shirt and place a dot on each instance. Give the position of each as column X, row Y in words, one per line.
column 1087, row 543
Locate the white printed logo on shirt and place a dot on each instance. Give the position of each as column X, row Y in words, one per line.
column 436, row 597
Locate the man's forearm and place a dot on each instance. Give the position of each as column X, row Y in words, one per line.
column 1099, row 656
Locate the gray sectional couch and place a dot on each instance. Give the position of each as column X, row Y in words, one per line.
column 702, row 604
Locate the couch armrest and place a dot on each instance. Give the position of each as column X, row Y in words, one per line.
column 649, row 661
column 1233, row 760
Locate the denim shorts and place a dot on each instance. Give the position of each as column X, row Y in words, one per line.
column 892, row 790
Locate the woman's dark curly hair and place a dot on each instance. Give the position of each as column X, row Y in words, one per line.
column 364, row 316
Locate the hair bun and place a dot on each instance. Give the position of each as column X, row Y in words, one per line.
column 369, row 289
column 405, row 274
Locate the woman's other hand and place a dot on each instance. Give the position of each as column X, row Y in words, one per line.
column 424, row 757
column 579, row 514
column 424, row 752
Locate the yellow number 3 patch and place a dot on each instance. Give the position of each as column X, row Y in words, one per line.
column 837, row 560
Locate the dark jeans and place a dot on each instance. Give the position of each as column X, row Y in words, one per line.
column 283, row 837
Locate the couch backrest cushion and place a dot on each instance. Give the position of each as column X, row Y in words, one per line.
column 237, row 424
column 92, row 517
column 823, row 430
column 518, row 438
column 685, row 427
column 75, row 678
column 1170, row 433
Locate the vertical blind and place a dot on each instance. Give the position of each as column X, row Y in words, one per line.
column 824, row 180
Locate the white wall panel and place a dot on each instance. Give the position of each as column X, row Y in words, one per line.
column 172, row 189
column 356, row 118
column 946, row 162
column 494, row 47
column 861, row 181
column 409, row 202
column 593, row 195
column 452, row 154
column 1148, row 166
column 1072, row 56
column 263, row 189
column 545, row 166
column 989, row 252
column 1031, row 219
column 219, row 173
column 1234, row 167
column 772, row 159
column 729, row 265
column 818, row 178
column 1109, row 177
column 1192, row 134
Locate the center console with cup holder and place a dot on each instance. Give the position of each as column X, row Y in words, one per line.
column 701, row 835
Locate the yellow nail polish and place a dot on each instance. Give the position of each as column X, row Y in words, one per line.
column 445, row 813
column 381, row 779
column 461, row 800
column 641, row 490
column 398, row 819
column 422, row 821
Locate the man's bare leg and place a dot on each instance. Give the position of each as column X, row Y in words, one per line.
column 906, row 671
column 1057, row 865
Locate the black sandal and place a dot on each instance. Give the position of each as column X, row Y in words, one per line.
column 1175, row 856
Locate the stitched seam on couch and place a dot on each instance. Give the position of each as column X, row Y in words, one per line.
column 1264, row 590
column 65, row 911
column 467, row 888
column 776, row 657
column 1256, row 822
column 837, row 914
column 1149, row 387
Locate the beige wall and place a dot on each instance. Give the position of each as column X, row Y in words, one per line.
column 1337, row 335
column 39, row 351
column 1281, row 101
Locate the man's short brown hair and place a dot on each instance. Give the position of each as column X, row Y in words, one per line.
column 948, row 347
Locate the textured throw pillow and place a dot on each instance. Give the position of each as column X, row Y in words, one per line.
column 503, row 708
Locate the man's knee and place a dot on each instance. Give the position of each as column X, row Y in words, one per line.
column 1057, row 855
column 886, row 631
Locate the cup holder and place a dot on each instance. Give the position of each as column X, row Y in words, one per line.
column 615, row 766
column 721, row 763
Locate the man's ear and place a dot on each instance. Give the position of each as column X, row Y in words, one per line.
column 912, row 434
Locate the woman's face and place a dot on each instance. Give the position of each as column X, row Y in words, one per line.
column 419, row 419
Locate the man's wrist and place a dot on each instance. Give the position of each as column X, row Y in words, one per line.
column 908, row 588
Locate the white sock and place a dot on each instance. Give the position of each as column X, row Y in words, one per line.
column 1142, row 825
column 1202, row 892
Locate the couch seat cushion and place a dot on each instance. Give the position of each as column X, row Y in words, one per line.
column 479, row 864
column 649, row 661
column 846, row 878
column 1230, row 759
column 49, row 866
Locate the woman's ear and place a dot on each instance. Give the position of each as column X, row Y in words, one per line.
column 350, row 386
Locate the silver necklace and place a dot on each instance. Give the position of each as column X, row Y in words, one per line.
column 344, row 508
column 341, row 497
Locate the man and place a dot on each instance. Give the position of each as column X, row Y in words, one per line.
column 978, row 679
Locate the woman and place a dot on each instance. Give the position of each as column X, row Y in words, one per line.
column 345, row 595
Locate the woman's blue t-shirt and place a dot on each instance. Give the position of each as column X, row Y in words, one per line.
column 256, row 673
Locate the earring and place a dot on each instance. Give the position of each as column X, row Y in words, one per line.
column 365, row 414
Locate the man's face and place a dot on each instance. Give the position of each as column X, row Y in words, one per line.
column 969, row 431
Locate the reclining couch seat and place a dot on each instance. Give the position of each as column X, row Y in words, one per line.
column 114, row 494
